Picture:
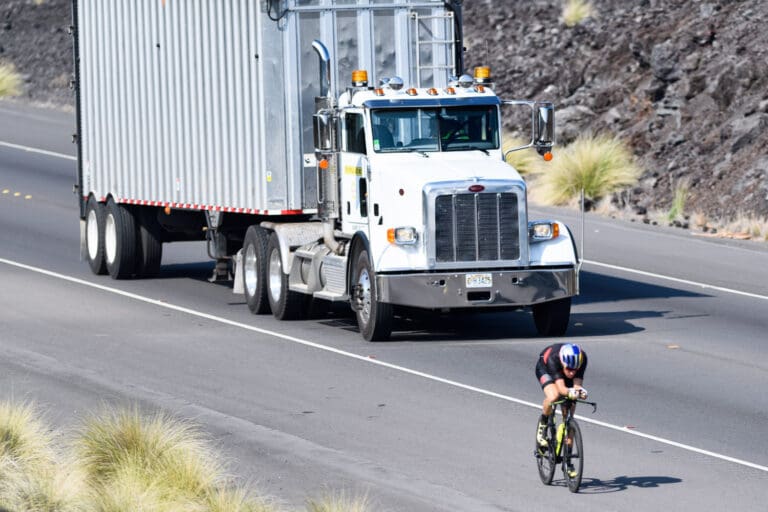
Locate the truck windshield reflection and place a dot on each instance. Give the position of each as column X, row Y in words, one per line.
column 435, row 129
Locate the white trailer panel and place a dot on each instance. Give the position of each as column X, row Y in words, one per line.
column 207, row 104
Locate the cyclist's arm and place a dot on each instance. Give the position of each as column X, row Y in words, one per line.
column 562, row 389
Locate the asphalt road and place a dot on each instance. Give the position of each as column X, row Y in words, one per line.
column 442, row 417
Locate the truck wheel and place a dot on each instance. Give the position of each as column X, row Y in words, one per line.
column 374, row 318
column 150, row 245
column 120, row 241
column 285, row 304
column 94, row 236
column 255, row 269
column 551, row 318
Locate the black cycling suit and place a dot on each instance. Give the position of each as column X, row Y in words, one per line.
column 549, row 368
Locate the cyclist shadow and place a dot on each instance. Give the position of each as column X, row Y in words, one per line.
column 622, row 483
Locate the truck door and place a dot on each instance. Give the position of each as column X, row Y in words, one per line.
column 354, row 180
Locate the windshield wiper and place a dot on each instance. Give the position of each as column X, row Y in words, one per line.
column 465, row 147
column 405, row 150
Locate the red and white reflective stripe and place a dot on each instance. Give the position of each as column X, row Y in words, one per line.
column 208, row 207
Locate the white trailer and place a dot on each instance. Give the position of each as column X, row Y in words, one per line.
column 325, row 149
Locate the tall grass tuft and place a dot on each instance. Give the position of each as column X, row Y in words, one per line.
column 33, row 477
column 523, row 160
column 158, row 445
column 576, row 11
column 599, row 164
column 340, row 502
column 10, row 81
column 235, row 500
column 677, row 209
column 155, row 462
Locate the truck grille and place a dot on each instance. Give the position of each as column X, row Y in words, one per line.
column 477, row 227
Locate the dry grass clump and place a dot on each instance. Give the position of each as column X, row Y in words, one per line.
column 127, row 462
column 155, row 462
column 10, row 81
column 600, row 165
column 340, row 502
column 576, row 11
column 33, row 477
column 523, row 160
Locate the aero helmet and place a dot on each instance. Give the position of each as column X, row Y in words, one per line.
column 571, row 356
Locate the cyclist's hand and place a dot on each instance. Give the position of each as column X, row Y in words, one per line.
column 583, row 393
column 573, row 393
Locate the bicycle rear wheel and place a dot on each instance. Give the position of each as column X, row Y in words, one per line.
column 545, row 458
column 573, row 454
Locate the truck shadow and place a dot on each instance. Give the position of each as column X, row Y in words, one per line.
column 621, row 483
column 464, row 326
column 489, row 325
column 602, row 288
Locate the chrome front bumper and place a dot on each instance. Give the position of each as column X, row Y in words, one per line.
column 451, row 290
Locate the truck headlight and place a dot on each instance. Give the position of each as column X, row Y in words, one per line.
column 402, row 236
column 543, row 230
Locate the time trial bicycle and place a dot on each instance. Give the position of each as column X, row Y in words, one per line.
column 564, row 446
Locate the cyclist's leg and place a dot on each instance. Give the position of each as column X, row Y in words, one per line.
column 550, row 395
column 547, row 385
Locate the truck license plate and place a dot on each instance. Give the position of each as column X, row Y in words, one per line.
column 479, row 280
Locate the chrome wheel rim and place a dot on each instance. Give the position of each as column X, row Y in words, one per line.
column 251, row 275
column 110, row 238
column 92, row 235
column 364, row 284
column 275, row 275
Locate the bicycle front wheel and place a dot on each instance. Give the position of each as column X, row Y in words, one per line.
column 573, row 457
column 545, row 457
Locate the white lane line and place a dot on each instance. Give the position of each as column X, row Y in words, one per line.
column 391, row 366
column 38, row 151
column 676, row 280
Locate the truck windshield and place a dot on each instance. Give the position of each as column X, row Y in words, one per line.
column 435, row 129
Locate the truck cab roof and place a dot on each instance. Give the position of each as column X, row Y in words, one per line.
column 385, row 97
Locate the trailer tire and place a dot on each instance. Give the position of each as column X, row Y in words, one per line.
column 120, row 241
column 150, row 245
column 254, row 272
column 551, row 318
column 94, row 236
column 374, row 318
column 284, row 303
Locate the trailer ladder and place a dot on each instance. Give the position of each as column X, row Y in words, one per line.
column 439, row 45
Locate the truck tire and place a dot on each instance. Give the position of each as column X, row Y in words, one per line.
column 120, row 241
column 374, row 318
column 284, row 303
column 150, row 244
column 551, row 318
column 94, row 236
column 255, row 270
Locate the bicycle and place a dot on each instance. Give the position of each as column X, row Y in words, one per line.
column 570, row 455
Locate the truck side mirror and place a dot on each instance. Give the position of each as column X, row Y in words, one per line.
column 324, row 132
column 544, row 126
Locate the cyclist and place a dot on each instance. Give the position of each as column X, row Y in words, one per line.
column 560, row 370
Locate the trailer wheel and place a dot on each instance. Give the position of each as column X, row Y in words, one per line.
column 551, row 318
column 150, row 245
column 120, row 241
column 94, row 236
column 255, row 269
column 285, row 304
column 374, row 318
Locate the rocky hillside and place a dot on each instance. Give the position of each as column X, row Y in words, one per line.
column 684, row 82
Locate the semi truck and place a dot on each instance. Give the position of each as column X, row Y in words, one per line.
column 324, row 150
